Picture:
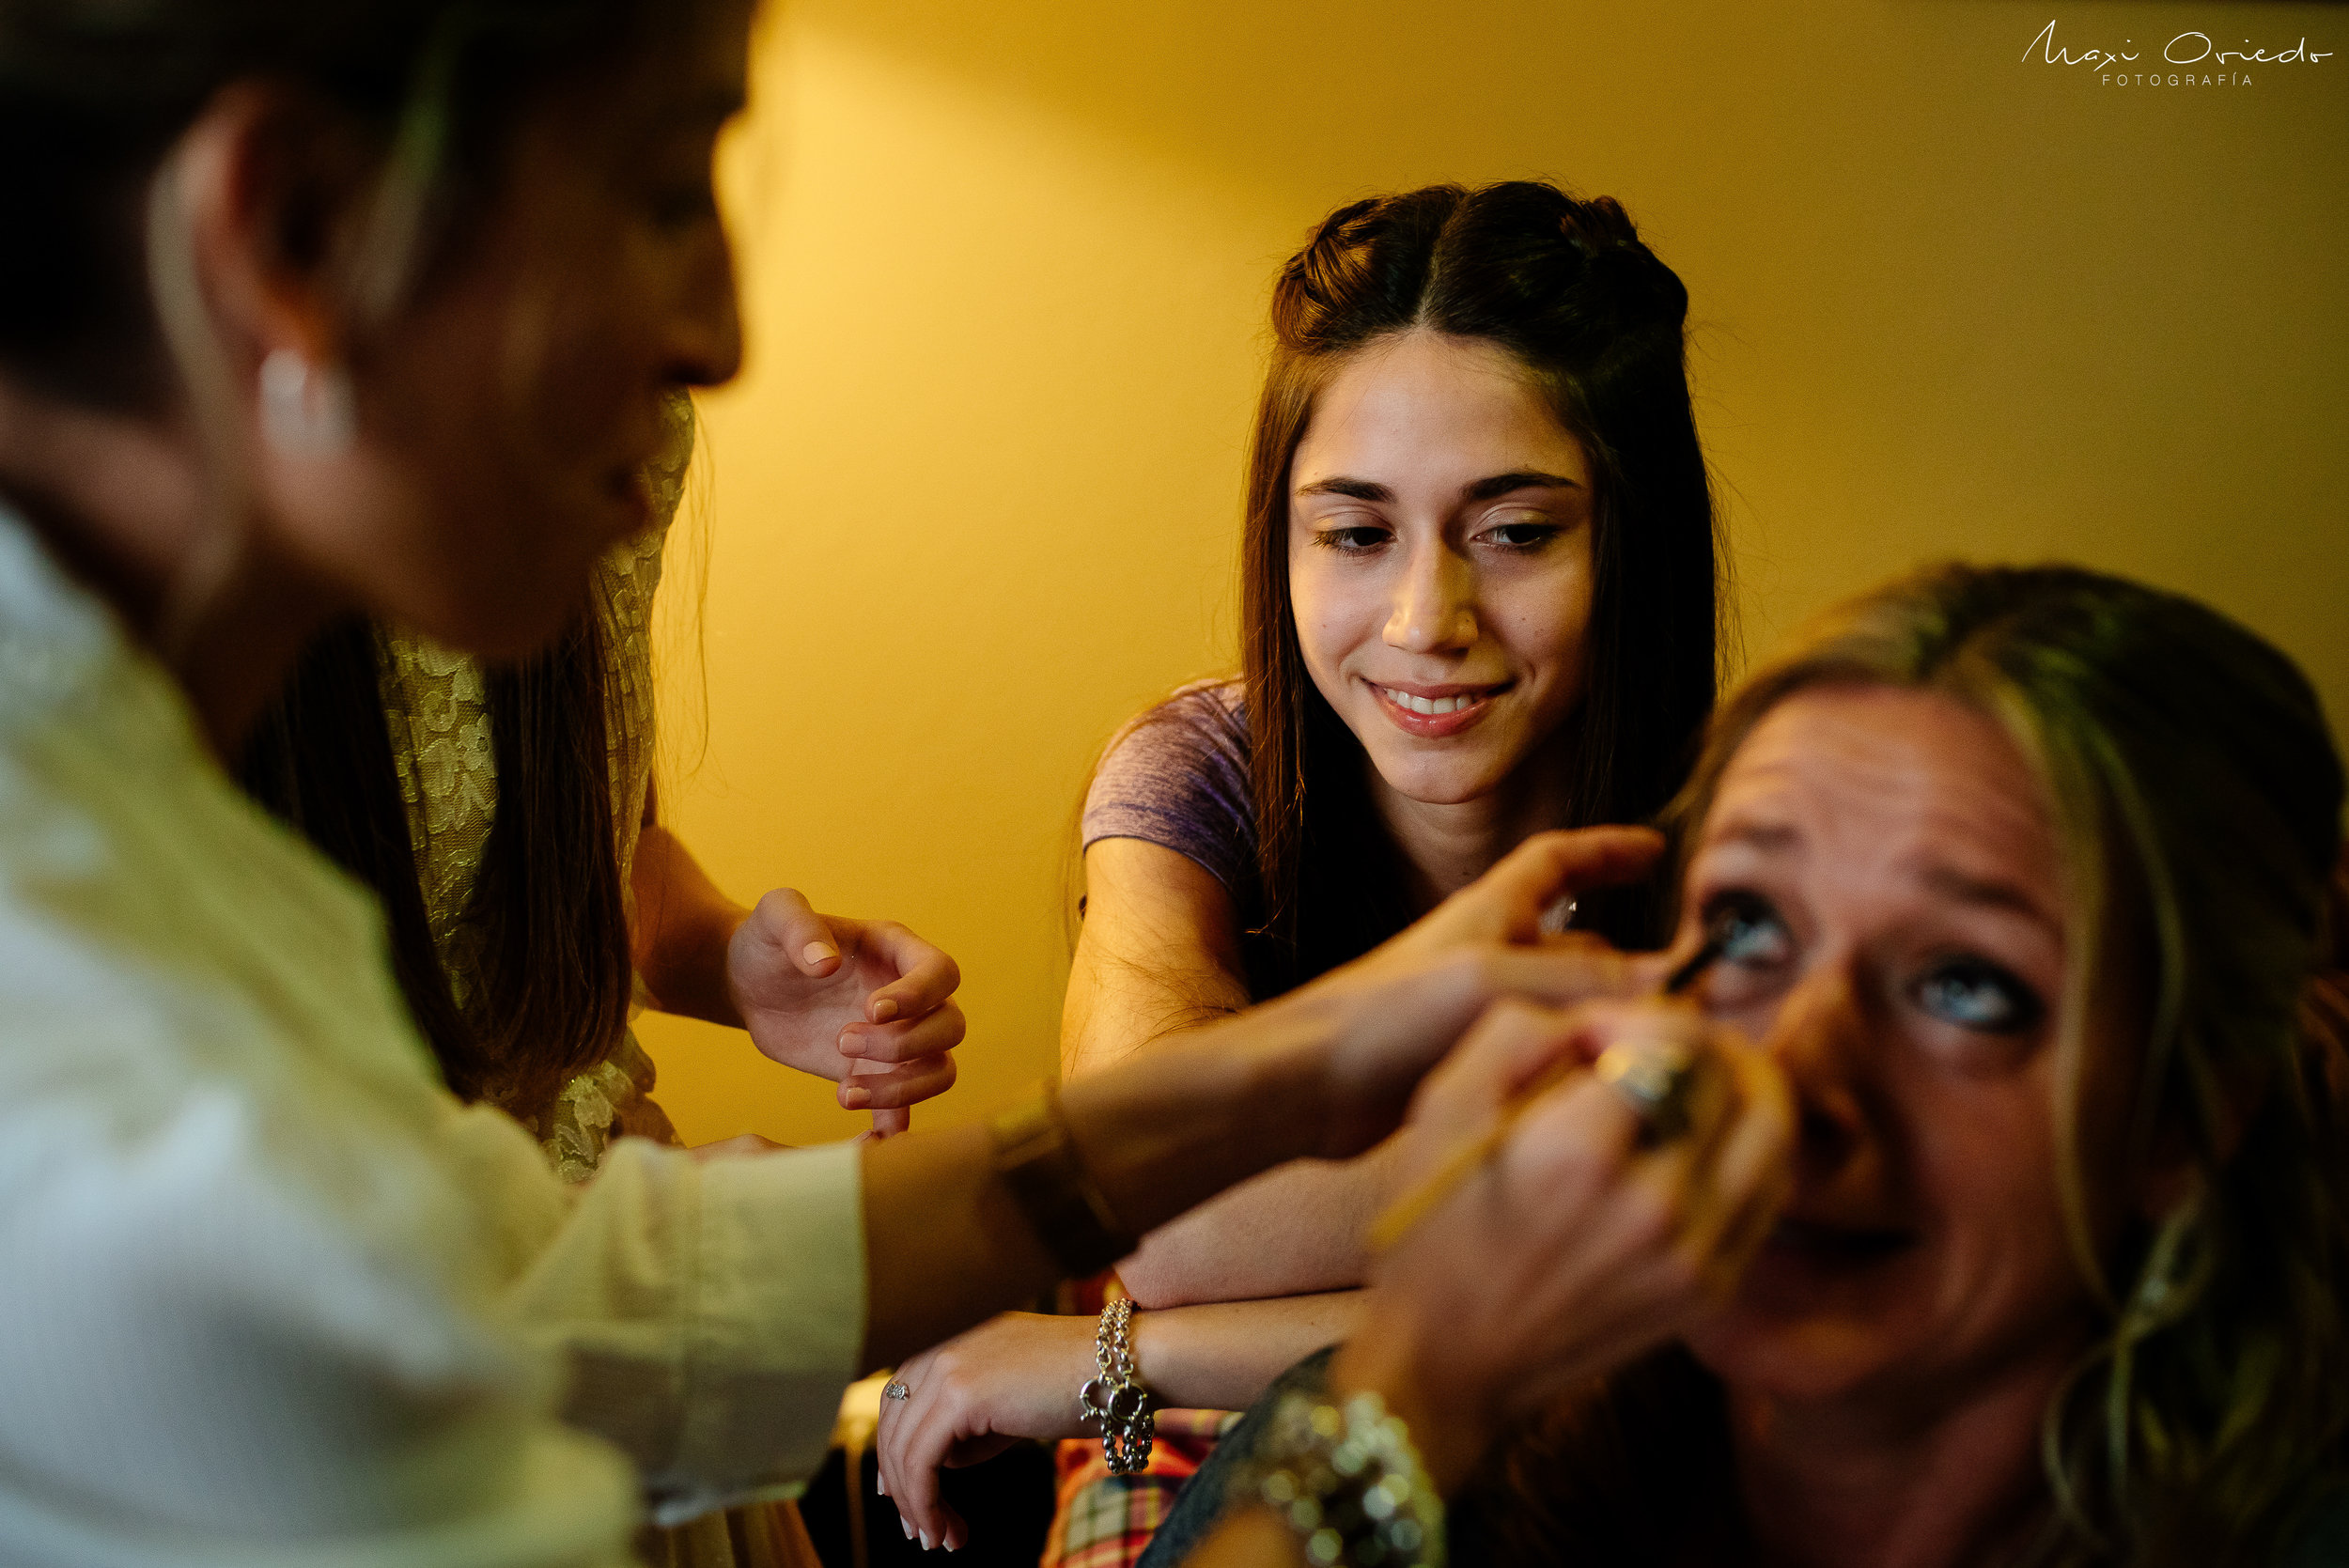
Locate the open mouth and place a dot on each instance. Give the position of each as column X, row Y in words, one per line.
column 1839, row 1246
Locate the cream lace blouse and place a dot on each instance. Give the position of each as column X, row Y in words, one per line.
column 434, row 702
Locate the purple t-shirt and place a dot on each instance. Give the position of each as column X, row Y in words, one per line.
column 1179, row 776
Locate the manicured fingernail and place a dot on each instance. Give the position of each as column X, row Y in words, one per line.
column 926, row 1540
column 817, row 953
column 855, row 1098
column 885, row 1009
column 880, row 1484
column 909, row 1523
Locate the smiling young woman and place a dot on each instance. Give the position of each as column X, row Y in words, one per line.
column 1480, row 601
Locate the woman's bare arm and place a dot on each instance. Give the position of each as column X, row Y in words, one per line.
column 1161, row 956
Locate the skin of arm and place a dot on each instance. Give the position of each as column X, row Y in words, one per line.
column 1159, row 955
column 1324, row 1072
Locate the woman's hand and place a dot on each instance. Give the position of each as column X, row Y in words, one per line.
column 864, row 1002
column 1395, row 1010
column 1013, row 1377
column 1578, row 1245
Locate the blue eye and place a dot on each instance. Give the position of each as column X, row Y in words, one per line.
column 1973, row 993
column 1748, row 931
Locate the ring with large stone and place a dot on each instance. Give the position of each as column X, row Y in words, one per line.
column 1656, row 1079
column 894, row 1389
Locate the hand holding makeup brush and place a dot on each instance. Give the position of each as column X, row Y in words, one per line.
column 1582, row 1239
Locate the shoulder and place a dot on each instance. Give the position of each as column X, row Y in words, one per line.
column 1205, row 720
column 1177, row 776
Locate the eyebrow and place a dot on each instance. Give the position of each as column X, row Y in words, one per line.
column 1482, row 490
column 1769, row 838
column 1953, row 884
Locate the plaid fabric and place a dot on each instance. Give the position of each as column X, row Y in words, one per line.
column 1104, row 1520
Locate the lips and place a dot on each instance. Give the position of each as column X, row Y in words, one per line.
column 1835, row 1246
column 1434, row 711
column 625, row 490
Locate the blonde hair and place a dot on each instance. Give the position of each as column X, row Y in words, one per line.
column 2196, row 794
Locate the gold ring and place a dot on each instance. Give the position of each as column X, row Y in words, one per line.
column 1654, row 1078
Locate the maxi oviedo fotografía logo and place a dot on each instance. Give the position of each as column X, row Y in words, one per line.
column 2190, row 59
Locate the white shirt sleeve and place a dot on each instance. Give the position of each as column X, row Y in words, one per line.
column 710, row 1314
column 268, row 1296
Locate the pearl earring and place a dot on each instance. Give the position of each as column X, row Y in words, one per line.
column 306, row 409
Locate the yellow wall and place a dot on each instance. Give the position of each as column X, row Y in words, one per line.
column 1004, row 264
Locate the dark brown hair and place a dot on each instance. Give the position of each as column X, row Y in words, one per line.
column 1568, row 290
column 546, row 919
column 93, row 93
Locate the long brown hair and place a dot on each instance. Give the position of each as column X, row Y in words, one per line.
column 546, row 919
column 1568, row 290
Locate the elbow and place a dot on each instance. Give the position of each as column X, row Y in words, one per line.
column 1158, row 1276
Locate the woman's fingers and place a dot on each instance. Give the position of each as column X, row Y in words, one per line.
column 927, row 976
column 932, row 1033
column 908, row 1448
column 1507, row 902
column 1753, row 1171
column 878, row 1086
column 784, row 918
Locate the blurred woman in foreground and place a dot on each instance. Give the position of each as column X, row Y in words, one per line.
column 373, row 308
column 2021, row 878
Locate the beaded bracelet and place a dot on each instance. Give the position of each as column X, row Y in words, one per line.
column 1348, row 1481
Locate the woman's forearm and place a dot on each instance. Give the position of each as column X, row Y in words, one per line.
column 683, row 923
column 945, row 1243
column 1289, row 1232
column 1224, row 1355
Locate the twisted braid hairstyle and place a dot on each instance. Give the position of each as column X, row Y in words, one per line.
column 1568, row 288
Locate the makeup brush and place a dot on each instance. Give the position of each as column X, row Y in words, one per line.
column 1472, row 1156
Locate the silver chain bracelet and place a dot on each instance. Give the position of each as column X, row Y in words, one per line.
column 1117, row 1400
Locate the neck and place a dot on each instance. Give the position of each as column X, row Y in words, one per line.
column 1446, row 846
column 123, row 504
column 1838, row 1485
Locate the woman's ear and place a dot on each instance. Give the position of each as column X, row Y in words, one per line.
column 273, row 191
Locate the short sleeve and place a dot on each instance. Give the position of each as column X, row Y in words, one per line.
column 1177, row 776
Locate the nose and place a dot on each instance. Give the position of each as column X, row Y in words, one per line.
column 1819, row 1040
column 705, row 322
column 1434, row 608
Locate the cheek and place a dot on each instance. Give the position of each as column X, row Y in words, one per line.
column 1989, row 1176
column 587, row 371
column 1544, row 620
column 1336, row 613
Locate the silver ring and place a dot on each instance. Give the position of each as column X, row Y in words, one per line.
column 894, row 1389
column 1654, row 1078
